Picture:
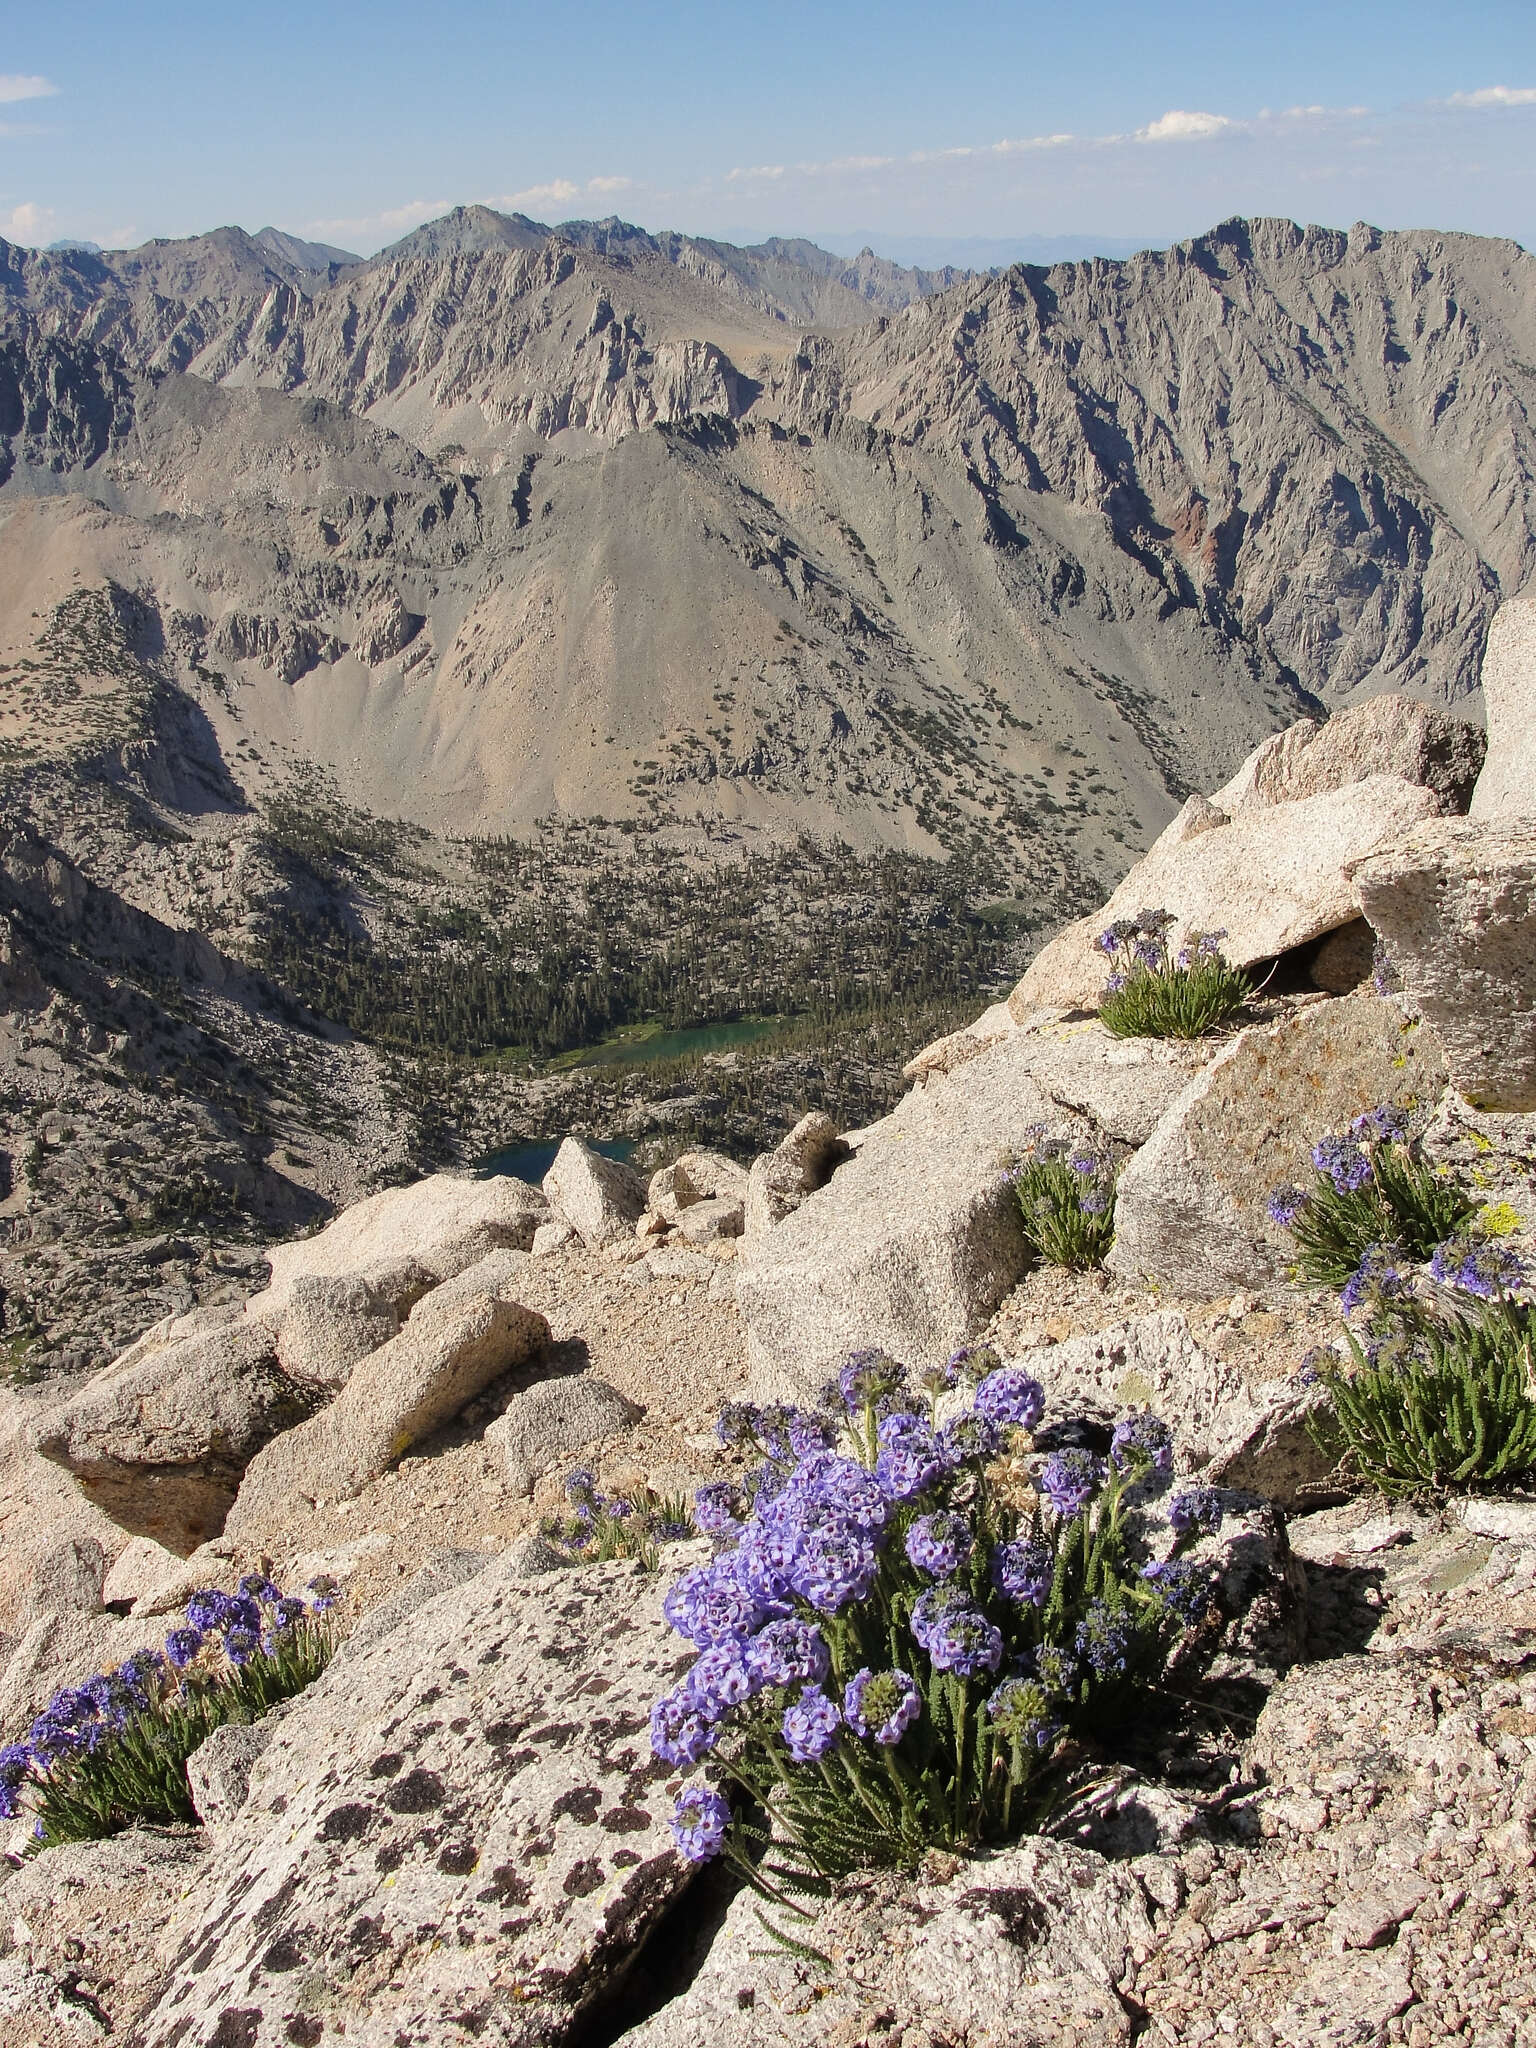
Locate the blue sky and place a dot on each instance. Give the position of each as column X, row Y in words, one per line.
column 352, row 123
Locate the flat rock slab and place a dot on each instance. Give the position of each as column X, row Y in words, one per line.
column 915, row 1240
column 909, row 1245
column 1228, row 1430
column 1271, row 877
column 1190, row 1209
column 1000, row 1953
column 1455, row 905
column 1386, row 735
column 442, row 1224
column 161, row 1446
column 459, row 1833
column 1507, row 786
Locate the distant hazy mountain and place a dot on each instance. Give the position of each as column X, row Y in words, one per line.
column 72, row 242
column 989, row 252
column 509, row 520
column 312, row 256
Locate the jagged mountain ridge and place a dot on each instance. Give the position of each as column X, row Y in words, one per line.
column 885, row 579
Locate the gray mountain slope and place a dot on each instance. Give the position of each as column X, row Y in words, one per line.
column 317, row 257
column 498, row 529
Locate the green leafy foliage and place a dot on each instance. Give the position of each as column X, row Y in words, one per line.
column 111, row 1753
column 1446, row 1405
column 600, row 1526
column 1154, row 993
column 1066, row 1196
column 1371, row 1186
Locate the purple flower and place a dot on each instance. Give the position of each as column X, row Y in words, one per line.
column 955, row 1632
column 288, row 1612
column 323, row 1590
column 911, row 1458
column 700, row 1823
column 182, row 1645
column 1020, row 1711
column 1010, row 1396
column 939, row 1544
column 1185, row 1585
column 1383, row 1125
column 259, row 1587
column 720, row 1679
column 206, row 1610
column 1312, row 1367
column 835, row 1562
column 1376, row 1278
column 241, row 1645
column 1105, row 1640
column 709, row 1606
column 1023, row 1571
column 716, row 1507
column 810, row 1726
column 1286, row 1203
column 737, row 1424
column 1140, row 1441
column 882, row 1705
column 1056, row 1668
column 972, row 1362
column 1196, row 1511
column 15, row 1764
column 1486, row 1270
column 787, row 1653
column 1343, row 1161
column 969, row 1440
column 680, row 1734
column 869, row 1378
column 1069, row 1480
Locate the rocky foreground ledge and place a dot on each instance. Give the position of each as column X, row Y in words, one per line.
column 459, row 1831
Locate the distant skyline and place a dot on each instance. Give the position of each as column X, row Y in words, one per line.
column 916, row 130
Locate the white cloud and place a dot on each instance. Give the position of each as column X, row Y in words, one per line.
column 1495, row 96
column 410, row 215
column 556, row 193
column 28, row 222
column 756, row 171
column 609, row 184
column 14, row 86
column 1177, row 125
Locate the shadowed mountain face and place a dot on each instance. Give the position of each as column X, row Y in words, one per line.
column 507, row 520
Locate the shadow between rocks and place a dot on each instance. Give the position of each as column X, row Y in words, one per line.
column 664, row 1965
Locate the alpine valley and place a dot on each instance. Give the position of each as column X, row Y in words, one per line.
column 540, row 680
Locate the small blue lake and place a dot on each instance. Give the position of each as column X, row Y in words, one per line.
column 530, row 1162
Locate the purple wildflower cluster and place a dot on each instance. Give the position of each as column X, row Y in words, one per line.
column 1141, row 945
column 867, row 1568
column 1066, row 1196
column 1198, row 1511
column 1377, row 1280
column 1142, row 1443
column 1482, row 1268
column 1070, row 1479
column 607, row 1525
column 222, row 1632
column 1187, row 1586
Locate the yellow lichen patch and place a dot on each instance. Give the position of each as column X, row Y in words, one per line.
column 1499, row 1219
